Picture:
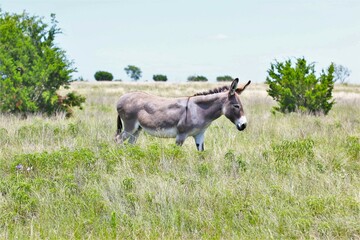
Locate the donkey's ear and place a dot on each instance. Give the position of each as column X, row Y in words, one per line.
column 233, row 86
column 239, row 90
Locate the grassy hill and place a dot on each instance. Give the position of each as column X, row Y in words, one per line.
column 286, row 176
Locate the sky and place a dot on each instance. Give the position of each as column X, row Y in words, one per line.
column 201, row 37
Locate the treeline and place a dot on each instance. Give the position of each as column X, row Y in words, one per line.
column 135, row 74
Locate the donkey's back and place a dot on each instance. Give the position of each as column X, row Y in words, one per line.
column 158, row 116
column 144, row 103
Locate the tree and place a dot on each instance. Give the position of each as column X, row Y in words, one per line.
column 159, row 78
column 103, row 76
column 341, row 73
column 225, row 78
column 197, row 79
column 133, row 72
column 296, row 88
column 33, row 67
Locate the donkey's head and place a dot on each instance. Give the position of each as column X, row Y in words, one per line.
column 232, row 107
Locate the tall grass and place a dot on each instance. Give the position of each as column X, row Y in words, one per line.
column 286, row 176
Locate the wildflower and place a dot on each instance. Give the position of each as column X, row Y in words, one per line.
column 19, row 167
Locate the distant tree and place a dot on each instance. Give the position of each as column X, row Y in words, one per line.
column 296, row 88
column 33, row 67
column 197, row 79
column 160, row 78
column 80, row 79
column 341, row 73
column 103, row 76
column 225, row 78
column 133, row 72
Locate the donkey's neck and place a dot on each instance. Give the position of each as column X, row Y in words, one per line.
column 211, row 105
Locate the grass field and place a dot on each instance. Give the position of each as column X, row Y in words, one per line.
column 285, row 177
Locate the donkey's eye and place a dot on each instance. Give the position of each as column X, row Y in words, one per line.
column 236, row 106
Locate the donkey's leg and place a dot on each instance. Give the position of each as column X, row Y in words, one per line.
column 134, row 136
column 130, row 128
column 180, row 138
column 122, row 137
column 199, row 140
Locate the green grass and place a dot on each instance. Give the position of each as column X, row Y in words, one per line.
column 285, row 177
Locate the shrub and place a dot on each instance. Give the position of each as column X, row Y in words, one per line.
column 159, row 78
column 103, row 76
column 296, row 88
column 197, row 79
column 32, row 66
column 225, row 78
column 71, row 100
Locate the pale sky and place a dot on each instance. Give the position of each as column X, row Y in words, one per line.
column 201, row 37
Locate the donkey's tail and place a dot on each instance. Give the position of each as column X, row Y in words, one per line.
column 119, row 125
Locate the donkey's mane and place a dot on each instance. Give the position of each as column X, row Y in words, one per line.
column 215, row 90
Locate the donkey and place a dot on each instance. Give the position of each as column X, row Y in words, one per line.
column 178, row 117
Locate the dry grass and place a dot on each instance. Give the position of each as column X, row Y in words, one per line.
column 285, row 176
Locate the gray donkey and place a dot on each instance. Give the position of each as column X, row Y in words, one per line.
column 178, row 117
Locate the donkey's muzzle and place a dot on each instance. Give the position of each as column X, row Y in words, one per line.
column 241, row 126
column 241, row 123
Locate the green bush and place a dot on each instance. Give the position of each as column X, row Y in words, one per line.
column 32, row 66
column 103, row 76
column 197, row 79
column 296, row 88
column 72, row 99
column 225, row 78
column 159, row 78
